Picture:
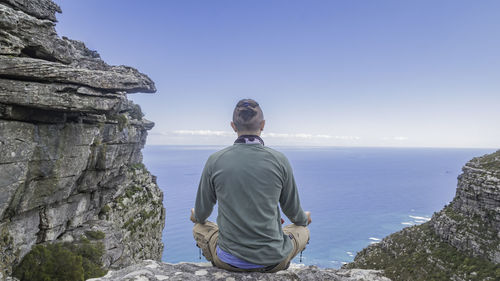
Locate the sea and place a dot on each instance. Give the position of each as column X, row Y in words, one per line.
column 356, row 196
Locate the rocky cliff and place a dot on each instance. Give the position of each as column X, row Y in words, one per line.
column 70, row 145
column 461, row 242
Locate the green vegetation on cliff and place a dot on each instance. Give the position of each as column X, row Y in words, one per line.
column 417, row 253
column 489, row 162
column 95, row 235
column 62, row 262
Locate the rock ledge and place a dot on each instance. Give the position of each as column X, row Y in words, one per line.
column 157, row 271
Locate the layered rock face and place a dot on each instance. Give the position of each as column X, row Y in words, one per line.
column 70, row 144
column 471, row 223
column 461, row 242
column 155, row 271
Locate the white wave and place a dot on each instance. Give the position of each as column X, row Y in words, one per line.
column 420, row 218
column 374, row 239
column 373, row 242
column 407, row 223
column 349, row 253
column 344, row 262
column 420, row 221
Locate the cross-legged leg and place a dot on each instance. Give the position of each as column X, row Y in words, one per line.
column 299, row 237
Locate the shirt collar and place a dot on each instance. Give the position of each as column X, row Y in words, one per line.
column 249, row 139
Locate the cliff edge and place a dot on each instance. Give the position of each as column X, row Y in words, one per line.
column 461, row 242
column 70, row 145
column 155, row 271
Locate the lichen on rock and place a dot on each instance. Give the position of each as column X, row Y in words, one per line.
column 70, row 145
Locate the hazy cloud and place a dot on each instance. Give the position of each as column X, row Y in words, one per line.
column 211, row 133
column 203, row 133
column 398, row 138
column 309, row 136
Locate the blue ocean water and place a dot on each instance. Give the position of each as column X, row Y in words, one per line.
column 356, row 195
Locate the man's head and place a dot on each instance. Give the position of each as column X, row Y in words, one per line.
column 248, row 118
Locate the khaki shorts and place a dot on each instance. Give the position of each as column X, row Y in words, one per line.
column 207, row 234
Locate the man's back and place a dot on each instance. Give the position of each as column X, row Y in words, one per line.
column 250, row 181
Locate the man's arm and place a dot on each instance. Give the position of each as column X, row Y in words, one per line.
column 289, row 198
column 205, row 197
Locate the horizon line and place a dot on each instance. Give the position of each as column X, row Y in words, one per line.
column 334, row 146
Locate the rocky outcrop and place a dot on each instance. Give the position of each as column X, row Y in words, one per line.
column 461, row 242
column 70, row 145
column 471, row 223
column 42, row 9
column 156, row 271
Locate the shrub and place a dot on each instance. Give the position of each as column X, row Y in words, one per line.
column 418, row 254
column 96, row 235
column 62, row 262
column 50, row 263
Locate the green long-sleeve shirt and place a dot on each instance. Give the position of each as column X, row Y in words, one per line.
column 250, row 182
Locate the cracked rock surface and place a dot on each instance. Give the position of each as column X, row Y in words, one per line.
column 70, row 144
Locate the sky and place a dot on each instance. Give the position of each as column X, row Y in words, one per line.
column 385, row 73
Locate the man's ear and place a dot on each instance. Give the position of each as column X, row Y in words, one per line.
column 262, row 124
column 234, row 126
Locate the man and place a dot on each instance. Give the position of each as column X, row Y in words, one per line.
column 250, row 182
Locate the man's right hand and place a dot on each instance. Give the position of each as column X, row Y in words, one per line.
column 309, row 220
column 192, row 218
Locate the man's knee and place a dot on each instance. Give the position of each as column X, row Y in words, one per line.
column 300, row 237
column 300, row 234
column 204, row 230
column 205, row 227
column 205, row 235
